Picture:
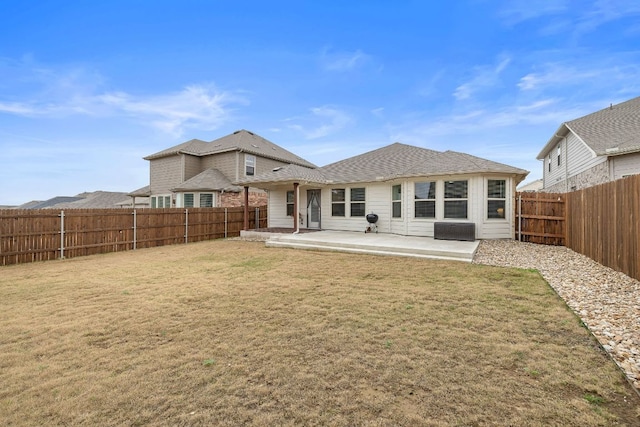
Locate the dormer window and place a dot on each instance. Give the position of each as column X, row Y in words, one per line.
column 249, row 164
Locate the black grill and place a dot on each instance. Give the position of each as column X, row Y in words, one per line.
column 372, row 218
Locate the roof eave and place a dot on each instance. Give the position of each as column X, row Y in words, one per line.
column 553, row 141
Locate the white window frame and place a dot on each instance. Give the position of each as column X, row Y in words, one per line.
column 397, row 201
column 342, row 202
column 249, row 162
column 432, row 185
column 203, row 200
column 455, row 199
column 490, row 199
column 353, row 203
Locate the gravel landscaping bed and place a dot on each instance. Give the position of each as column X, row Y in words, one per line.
column 607, row 301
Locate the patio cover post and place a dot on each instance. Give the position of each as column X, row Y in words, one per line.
column 246, row 208
column 295, row 206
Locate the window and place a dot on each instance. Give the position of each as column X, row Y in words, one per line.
column 357, row 202
column 167, row 201
column 160, row 201
column 455, row 199
column 154, row 202
column 206, row 200
column 396, row 201
column 425, row 199
column 289, row 203
column 559, row 152
column 337, row 202
column 188, row 200
column 249, row 165
column 549, row 162
column 496, row 198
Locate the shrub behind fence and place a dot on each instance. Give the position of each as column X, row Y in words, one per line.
column 46, row 234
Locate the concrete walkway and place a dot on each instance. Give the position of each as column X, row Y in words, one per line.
column 377, row 244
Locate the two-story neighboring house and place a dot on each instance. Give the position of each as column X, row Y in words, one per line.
column 594, row 149
column 200, row 174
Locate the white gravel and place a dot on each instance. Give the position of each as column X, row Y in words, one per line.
column 607, row 301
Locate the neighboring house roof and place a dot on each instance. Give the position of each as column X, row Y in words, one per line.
column 49, row 203
column 387, row 163
column 536, row 185
column 241, row 140
column 208, row 180
column 141, row 192
column 611, row 131
column 94, row 200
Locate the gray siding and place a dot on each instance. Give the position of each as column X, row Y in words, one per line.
column 191, row 166
column 224, row 162
column 628, row 164
column 166, row 173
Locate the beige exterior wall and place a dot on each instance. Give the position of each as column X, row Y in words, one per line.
column 598, row 174
column 192, row 166
column 165, row 174
column 378, row 200
column 625, row 165
column 224, row 162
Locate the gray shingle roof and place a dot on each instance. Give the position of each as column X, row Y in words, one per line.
column 241, row 140
column 610, row 131
column 207, row 180
column 387, row 163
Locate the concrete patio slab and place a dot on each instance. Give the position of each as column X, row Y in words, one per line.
column 377, row 244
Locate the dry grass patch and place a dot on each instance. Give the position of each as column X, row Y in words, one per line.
column 232, row 333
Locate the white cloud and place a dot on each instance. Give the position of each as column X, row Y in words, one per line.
column 343, row 61
column 484, row 77
column 59, row 93
column 323, row 121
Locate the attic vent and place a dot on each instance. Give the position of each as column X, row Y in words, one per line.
column 273, row 148
column 276, row 169
column 254, row 145
column 250, row 133
column 236, row 132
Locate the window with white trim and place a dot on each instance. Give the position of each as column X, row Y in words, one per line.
column 338, row 200
column 249, row 164
column 396, row 201
column 206, row 200
column 496, row 198
column 425, row 199
column 549, row 162
column 188, row 200
column 357, row 202
column 559, row 154
column 289, row 203
column 455, row 199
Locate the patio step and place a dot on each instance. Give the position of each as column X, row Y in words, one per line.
column 390, row 245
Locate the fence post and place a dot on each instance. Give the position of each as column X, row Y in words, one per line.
column 135, row 229
column 186, row 225
column 225, row 223
column 520, row 217
column 62, row 234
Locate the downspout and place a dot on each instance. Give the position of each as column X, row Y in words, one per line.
column 296, row 202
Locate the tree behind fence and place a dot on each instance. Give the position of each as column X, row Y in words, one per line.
column 46, row 234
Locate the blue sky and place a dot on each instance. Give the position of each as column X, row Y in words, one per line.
column 87, row 89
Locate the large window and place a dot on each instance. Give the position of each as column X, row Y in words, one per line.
column 357, row 202
column 396, row 201
column 425, row 199
column 337, row 202
column 188, row 200
column 250, row 164
column 496, row 198
column 289, row 203
column 455, row 199
column 161, row 201
column 206, row 200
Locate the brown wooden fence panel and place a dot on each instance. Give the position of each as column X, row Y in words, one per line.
column 40, row 235
column 540, row 218
column 605, row 224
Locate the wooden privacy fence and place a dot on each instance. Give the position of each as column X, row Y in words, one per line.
column 541, row 218
column 604, row 224
column 45, row 234
column 601, row 222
